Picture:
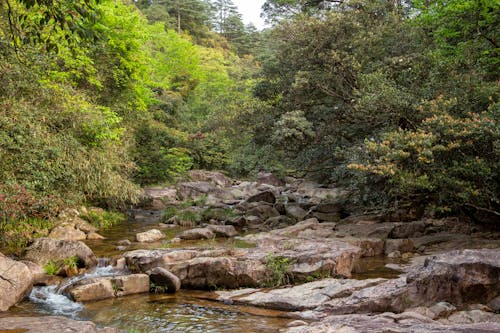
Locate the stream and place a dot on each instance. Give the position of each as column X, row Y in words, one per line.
column 185, row 311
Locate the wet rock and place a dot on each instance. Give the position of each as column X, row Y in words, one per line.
column 44, row 250
column 266, row 196
column 149, row 236
column 401, row 245
column 50, row 324
column 67, row 233
column 163, row 278
column 16, row 281
column 298, row 298
column 296, row 212
column 108, row 287
column 223, row 230
column 197, row 233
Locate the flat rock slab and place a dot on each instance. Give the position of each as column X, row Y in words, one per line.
column 390, row 322
column 49, row 324
column 298, row 298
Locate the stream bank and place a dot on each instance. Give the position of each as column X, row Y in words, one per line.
column 322, row 269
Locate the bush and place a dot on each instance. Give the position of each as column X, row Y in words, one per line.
column 447, row 162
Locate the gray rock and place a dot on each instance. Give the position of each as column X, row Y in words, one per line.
column 295, row 212
column 269, row 179
column 263, row 212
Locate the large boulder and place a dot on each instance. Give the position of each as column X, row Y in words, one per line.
column 295, row 212
column 16, row 281
column 108, row 287
column 223, row 230
column 50, row 324
column 269, row 179
column 44, row 250
column 149, row 236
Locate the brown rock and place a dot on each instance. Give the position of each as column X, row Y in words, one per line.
column 163, row 278
column 197, row 233
column 109, row 287
column 44, row 250
column 149, row 236
column 67, row 232
column 401, row 245
column 266, row 196
column 223, row 230
column 16, row 281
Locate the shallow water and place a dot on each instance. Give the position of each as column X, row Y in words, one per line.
column 188, row 312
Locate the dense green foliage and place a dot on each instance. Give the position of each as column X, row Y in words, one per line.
column 397, row 100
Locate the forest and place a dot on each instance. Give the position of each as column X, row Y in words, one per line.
column 397, row 101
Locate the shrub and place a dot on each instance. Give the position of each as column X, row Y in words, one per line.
column 447, row 162
column 103, row 219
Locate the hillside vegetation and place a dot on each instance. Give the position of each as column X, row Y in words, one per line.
column 396, row 100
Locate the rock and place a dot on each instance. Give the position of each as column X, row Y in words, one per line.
column 160, row 196
column 124, row 242
column 108, row 287
column 297, row 323
column 277, row 222
column 197, row 233
column 149, row 236
column 253, row 221
column 401, row 245
column 269, row 179
column 328, row 217
column 120, row 265
column 50, row 324
column 458, row 277
column 236, row 268
column 394, row 254
column 199, row 190
column 329, row 208
column 406, row 322
column 163, row 278
column 16, row 281
column 295, row 212
column 223, row 230
column 94, row 236
column 370, row 247
column 263, row 212
column 298, row 298
column 84, row 226
column 214, row 177
column 364, row 229
column 266, row 196
column 494, row 304
column 472, row 317
column 408, row 230
column 44, row 250
column 67, row 233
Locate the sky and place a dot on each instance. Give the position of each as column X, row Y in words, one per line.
column 250, row 9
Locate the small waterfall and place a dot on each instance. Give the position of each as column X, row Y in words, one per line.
column 103, row 262
column 53, row 300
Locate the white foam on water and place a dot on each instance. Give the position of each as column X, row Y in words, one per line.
column 53, row 301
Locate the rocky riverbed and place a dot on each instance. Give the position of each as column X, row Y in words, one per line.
column 260, row 256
